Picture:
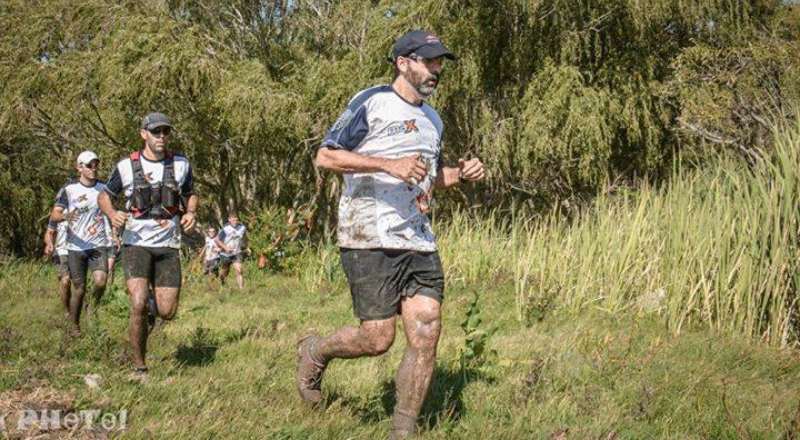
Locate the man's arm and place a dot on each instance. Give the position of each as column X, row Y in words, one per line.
column 118, row 218
column 408, row 169
column 220, row 241
column 56, row 217
column 188, row 220
column 468, row 170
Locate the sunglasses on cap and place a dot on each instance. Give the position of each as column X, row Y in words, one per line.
column 91, row 165
column 161, row 130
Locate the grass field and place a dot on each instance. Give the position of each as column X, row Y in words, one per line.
column 669, row 312
column 225, row 367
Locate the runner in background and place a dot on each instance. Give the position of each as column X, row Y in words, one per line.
column 232, row 240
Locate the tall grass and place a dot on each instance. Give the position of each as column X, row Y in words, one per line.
column 717, row 247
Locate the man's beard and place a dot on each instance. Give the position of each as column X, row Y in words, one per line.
column 423, row 85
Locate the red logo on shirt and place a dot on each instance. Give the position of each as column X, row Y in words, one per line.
column 410, row 125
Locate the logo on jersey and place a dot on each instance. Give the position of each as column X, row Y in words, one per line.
column 402, row 127
column 410, row 125
column 83, row 198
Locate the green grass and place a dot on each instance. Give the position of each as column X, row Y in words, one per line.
column 224, row 368
column 663, row 313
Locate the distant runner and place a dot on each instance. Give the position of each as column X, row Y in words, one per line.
column 154, row 182
column 387, row 144
column 210, row 253
column 232, row 239
column 87, row 236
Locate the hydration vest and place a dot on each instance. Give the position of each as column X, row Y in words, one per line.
column 155, row 201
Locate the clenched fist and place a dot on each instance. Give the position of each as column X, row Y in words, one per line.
column 409, row 169
column 471, row 170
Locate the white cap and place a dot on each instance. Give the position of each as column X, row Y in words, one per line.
column 87, row 157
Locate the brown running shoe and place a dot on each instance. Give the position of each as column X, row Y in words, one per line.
column 309, row 371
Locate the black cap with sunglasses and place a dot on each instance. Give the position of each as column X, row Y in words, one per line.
column 155, row 120
column 420, row 43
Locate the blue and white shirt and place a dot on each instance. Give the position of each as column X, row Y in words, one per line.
column 150, row 232
column 86, row 224
column 377, row 210
column 232, row 237
column 211, row 249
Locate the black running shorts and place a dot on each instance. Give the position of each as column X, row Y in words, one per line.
column 79, row 262
column 379, row 278
column 161, row 265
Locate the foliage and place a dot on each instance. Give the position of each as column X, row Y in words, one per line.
column 558, row 97
column 475, row 351
column 275, row 234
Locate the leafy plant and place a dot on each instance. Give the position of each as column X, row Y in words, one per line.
column 475, row 351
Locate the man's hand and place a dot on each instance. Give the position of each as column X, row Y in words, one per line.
column 118, row 219
column 471, row 170
column 409, row 169
column 188, row 221
column 424, row 202
column 48, row 249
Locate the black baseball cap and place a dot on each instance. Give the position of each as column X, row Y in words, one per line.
column 155, row 120
column 422, row 43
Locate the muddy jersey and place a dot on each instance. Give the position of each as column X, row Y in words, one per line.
column 86, row 224
column 148, row 232
column 377, row 210
column 231, row 236
column 211, row 249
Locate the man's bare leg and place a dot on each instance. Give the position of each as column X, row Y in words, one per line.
column 237, row 266
column 138, row 289
column 65, row 290
column 99, row 277
column 223, row 273
column 111, row 262
column 371, row 338
column 422, row 325
column 167, row 301
column 76, row 305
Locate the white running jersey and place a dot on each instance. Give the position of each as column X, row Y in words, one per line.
column 144, row 231
column 211, row 249
column 86, row 224
column 61, row 239
column 232, row 238
column 377, row 210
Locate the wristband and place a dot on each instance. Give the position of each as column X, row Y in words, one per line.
column 52, row 225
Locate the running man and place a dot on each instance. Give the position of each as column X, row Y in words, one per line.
column 210, row 253
column 154, row 182
column 387, row 145
column 87, row 236
column 60, row 260
column 232, row 239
